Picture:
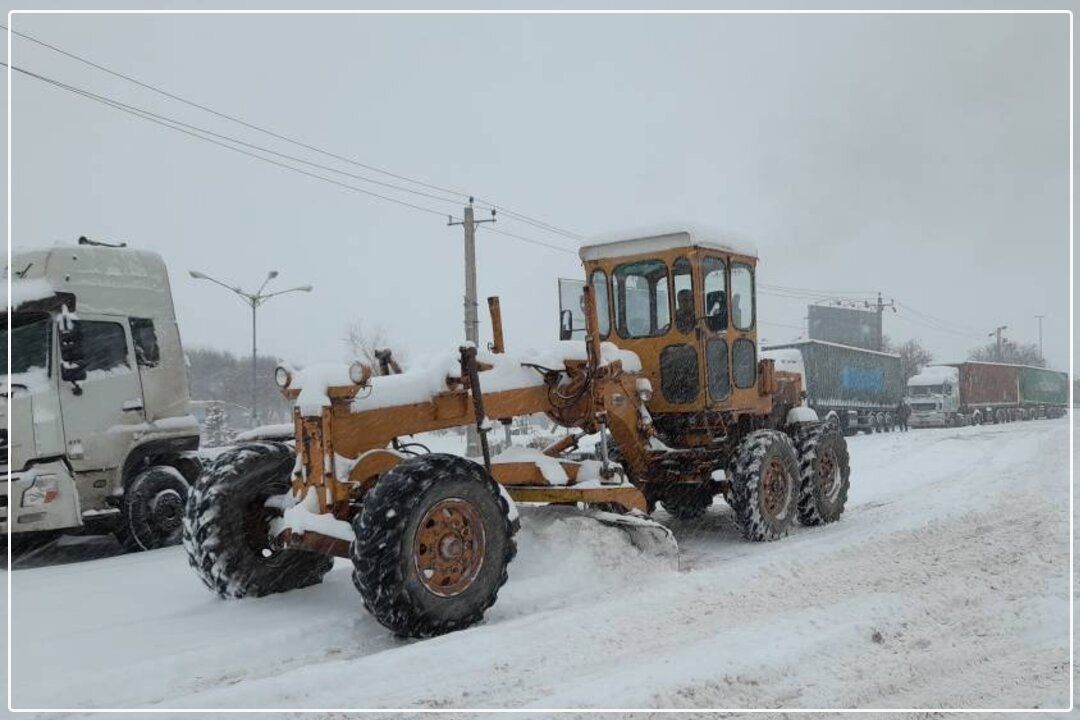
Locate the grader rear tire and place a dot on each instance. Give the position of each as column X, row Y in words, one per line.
column 765, row 485
column 226, row 526
column 433, row 541
column 824, row 474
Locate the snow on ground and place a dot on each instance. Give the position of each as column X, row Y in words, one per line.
column 944, row 585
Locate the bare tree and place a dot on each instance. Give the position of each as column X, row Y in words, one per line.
column 365, row 342
column 1011, row 352
column 913, row 356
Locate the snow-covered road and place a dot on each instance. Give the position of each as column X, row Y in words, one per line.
column 944, row 585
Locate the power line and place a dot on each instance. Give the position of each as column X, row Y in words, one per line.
column 224, row 140
column 279, row 136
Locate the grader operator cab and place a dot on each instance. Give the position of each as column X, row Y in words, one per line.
column 430, row 535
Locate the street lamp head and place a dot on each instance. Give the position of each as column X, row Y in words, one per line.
column 305, row 288
column 272, row 274
column 196, row 274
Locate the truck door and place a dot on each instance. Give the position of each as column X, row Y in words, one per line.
column 714, row 329
column 102, row 412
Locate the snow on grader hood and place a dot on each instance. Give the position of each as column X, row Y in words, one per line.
column 430, row 535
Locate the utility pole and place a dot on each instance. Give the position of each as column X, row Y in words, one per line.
column 997, row 333
column 472, row 322
column 1040, row 319
column 880, row 306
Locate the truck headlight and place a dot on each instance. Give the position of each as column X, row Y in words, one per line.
column 282, row 377
column 43, row 490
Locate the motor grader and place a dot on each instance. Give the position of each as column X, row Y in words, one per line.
column 667, row 375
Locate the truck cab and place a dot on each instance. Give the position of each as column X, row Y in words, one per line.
column 934, row 396
column 96, row 396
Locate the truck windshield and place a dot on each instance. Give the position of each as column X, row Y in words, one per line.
column 924, row 390
column 30, row 341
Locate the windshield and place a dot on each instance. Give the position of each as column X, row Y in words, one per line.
column 30, row 341
column 923, row 390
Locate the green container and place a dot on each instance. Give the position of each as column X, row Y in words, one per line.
column 845, row 376
column 1042, row 386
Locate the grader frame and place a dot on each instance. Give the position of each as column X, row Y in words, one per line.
column 430, row 536
column 605, row 397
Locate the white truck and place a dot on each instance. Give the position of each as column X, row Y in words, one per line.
column 96, row 398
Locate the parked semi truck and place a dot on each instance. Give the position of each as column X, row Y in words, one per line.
column 96, row 397
column 980, row 392
column 855, row 388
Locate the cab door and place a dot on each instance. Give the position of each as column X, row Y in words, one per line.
column 102, row 412
column 714, row 329
column 743, row 335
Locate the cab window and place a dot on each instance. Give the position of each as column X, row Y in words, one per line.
column 742, row 296
column 104, row 345
column 147, row 351
column 683, row 284
column 603, row 312
column 642, row 306
column 716, row 310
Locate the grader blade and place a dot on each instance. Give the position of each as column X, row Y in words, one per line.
column 648, row 536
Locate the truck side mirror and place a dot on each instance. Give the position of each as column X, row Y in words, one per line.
column 566, row 325
column 72, row 360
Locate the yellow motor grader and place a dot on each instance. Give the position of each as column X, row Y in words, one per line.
column 667, row 376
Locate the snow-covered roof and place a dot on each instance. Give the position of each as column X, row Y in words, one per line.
column 797, row 343
column 28, row 290
column 654, row 240
column 934, row 375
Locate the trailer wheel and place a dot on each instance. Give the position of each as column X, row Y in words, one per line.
column 227, row 526
column 824, row 474
column 433, row 541
column 152, row 510
column 765, row 485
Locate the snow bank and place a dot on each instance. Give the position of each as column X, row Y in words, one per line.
column 23, row 291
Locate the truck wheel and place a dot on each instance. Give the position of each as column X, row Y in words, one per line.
column 227, row 526
column 824, row 474
column 433, row 541
column 687, row 502
column 152, row 509
column 765, row 485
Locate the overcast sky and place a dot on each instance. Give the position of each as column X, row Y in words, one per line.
column 922, row 156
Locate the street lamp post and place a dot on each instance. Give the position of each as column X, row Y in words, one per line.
column 254, row 300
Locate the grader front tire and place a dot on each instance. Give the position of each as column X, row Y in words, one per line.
column 764, row 485
column 824, row 474
column 226, row 526
column 433, row 542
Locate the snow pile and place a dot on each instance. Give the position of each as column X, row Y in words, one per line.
column 24, row 291
column 550, row 468
column 304, row 516
column 313, row 382
column 420, row 384
column 935, row 375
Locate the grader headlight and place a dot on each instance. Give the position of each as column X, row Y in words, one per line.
column 644, row 389
column 282, row 377
column 359, row 373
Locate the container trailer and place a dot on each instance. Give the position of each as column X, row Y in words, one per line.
column 858, row 389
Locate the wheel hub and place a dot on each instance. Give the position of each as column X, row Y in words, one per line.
column 166, row 511
column 448, row 548
column 776, row 487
